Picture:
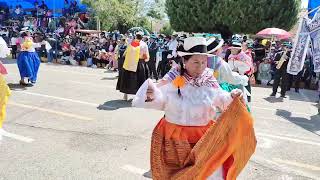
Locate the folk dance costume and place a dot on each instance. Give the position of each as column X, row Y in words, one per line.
column 4, row 95
column 4, row 52
column 135, row 71
column 28, row 60
column 227, row 79
column 187, row 143
column 240, row 63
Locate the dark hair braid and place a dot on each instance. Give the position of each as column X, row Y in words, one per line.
column 182, row 69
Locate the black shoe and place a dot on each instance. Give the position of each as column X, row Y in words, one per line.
column 283, row 96
column 23, row 83
column 273, row 94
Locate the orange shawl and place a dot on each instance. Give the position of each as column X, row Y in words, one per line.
column 231, row 139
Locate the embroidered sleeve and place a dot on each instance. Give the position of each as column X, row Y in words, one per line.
column 172, row 74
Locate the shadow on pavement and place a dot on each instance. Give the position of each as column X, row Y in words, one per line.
column 8, row 61
column 273, row 99
column 148, row 174
column 261, row 86
column 114, row 105
column 109, row 78
column 312, row 124
column 110, row 71
column 15, row 87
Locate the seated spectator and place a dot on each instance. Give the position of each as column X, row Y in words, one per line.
column 104, row 58
column 72, row 57
column 264, row 72
column 66, row 52
column 27, row 22
column 80, row 56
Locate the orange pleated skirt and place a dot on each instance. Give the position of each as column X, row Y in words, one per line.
column 195, row 152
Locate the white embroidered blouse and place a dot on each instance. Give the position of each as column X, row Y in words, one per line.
column 196, row 107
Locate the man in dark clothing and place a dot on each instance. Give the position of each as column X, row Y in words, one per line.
column 153, row 48
column 303, row 76
column 281, row 61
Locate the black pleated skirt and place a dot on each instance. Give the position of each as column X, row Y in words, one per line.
column 129, row 82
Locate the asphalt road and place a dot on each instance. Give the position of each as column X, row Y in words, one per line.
column 73, row 125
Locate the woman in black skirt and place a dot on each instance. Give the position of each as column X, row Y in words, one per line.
column 135, row 70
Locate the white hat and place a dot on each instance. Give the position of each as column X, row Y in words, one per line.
column 103, row 51
column 218, row 43
column 196, row 45
column 236, row 45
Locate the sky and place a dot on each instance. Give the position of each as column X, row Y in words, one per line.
column 304, row 3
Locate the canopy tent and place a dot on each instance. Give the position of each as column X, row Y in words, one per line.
column 54, row 5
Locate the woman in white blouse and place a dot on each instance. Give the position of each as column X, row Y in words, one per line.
column 189, row 103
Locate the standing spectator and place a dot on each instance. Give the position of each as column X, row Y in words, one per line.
column 121, row 49
column 14, row 48
column 173, row 45
column 153, row 48
column 44, row 6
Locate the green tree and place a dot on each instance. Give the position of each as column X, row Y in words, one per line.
column 236, row 16
column 115, row 14
column 153, row 13
column 167, row 30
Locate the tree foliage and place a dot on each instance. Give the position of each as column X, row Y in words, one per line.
column 167, row 30
column 114, row 14
column 237, row 16
column 123, row 14
column 154, row 13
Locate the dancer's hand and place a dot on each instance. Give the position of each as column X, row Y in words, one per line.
column 237, row 93
column 150, row 94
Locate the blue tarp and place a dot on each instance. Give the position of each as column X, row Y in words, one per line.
column 52, row 4
column 312, row 5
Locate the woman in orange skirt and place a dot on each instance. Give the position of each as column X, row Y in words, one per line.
column 187, row 143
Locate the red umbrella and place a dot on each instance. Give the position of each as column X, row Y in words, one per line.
column 274, row 33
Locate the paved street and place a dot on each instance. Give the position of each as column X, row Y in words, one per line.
column 73, row 125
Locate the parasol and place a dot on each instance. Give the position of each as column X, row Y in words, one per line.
column 274, row 33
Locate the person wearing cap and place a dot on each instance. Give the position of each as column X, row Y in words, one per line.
column 135, row 70
column 189, row 102
column 28, row 60
column 281, row 62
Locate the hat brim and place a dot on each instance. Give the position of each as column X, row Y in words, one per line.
column 217, row 47
column 233, row 47
column 181, row 54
